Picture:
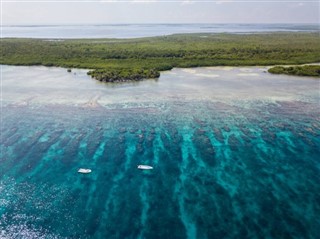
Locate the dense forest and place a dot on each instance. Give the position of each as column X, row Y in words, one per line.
column 135, row 59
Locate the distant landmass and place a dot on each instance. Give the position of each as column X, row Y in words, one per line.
column 143, row 30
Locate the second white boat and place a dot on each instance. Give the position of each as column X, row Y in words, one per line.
column 84, row 170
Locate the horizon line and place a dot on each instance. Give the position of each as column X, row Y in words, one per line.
column 171, row 23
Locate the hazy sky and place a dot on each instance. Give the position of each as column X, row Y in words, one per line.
column 22, row 12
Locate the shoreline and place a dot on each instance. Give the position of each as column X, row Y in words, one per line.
column 268, row 67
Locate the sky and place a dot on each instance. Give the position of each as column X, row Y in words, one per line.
column 50, row 12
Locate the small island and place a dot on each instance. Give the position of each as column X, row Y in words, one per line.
column 121, row 60
column 124, row 75
column 306, row 70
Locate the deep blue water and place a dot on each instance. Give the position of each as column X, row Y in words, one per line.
column 144, row 30
column 242, row 164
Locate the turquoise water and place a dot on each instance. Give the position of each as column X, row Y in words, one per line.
column 235, row 153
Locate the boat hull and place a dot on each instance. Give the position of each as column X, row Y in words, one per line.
column 84, row 170
column 145, row 167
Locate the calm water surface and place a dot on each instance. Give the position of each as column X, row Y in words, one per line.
column 235, row 153
column 145, row 30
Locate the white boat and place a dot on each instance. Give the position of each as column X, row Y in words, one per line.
column 84, row 170
column 144, row 167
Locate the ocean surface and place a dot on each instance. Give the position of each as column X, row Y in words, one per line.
column 144, row 30
column 235, row 151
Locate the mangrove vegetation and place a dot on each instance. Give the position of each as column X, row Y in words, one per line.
column 308, row 70
column 114, row 60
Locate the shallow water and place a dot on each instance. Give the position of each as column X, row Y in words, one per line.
column 144, row 30
column 235, row 153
